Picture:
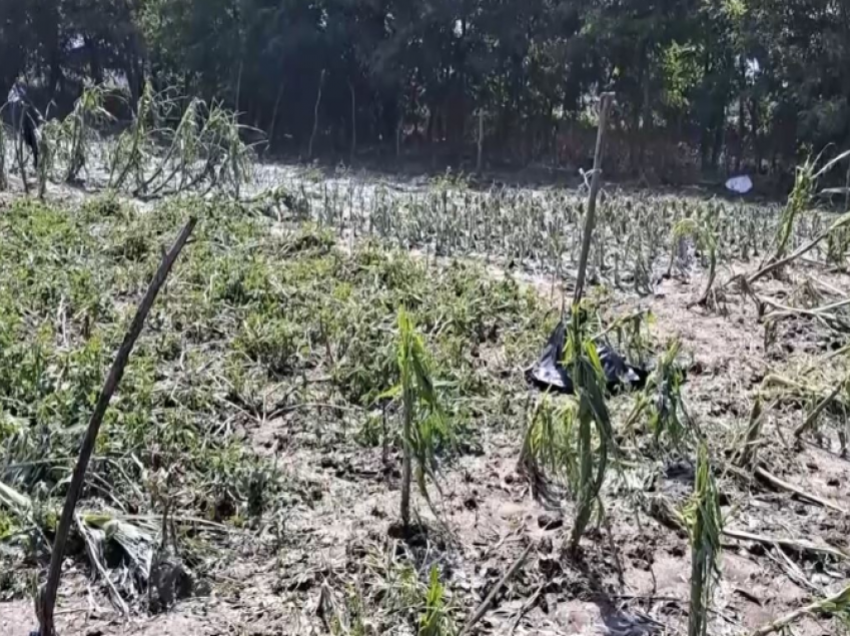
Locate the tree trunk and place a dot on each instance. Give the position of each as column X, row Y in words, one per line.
column 480, row 141
column 95, row 65
column 353, row 124
column 316, row 114
column 757, row 147
column 275, row 112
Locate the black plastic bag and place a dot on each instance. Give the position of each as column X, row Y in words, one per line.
column 549, row 372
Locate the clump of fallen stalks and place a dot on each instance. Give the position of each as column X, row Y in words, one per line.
column 799, row 199
column 203, row 152
column 819, row 401
column 77, row 131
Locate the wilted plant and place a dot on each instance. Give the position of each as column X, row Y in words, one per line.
column 704, row 521
column 664, row 392
column 550, row 447
column 798, row 200
column 50, row 131
column 424, row 424
column 131, row 148
column 589, row 382
column 747, row 447
column 682, row 230
column 183, row 148
column 77, row 129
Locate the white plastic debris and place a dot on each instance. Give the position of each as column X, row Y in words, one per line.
column 741, row 184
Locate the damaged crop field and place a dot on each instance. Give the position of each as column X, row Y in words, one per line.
column 327, row 426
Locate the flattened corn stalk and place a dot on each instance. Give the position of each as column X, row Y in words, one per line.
column 837, row 603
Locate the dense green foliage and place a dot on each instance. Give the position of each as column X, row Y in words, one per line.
column 710, row 83
column 253, row 326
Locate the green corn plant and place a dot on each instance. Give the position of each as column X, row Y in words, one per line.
column 424, row 424
column 88, row 110
column 593, row 416
column 704, row 521
column 549, row 447
column 668, row 416
column 49, row 132
column 435, row 619
column 131, row 148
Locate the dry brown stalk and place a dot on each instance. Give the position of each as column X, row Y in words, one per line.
column 802, row 494
column 813, row 416
column 797, row 544
column 825, row 605
column 808, row 247
column 485, row 604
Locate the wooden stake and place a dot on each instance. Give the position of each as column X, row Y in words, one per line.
column 595, row 184
column 46, row 600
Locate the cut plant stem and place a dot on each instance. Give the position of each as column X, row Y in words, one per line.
column 46, row 600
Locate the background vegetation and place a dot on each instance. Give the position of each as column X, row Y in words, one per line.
column 701, row 84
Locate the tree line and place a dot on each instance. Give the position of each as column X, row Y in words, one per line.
column 715, row 85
